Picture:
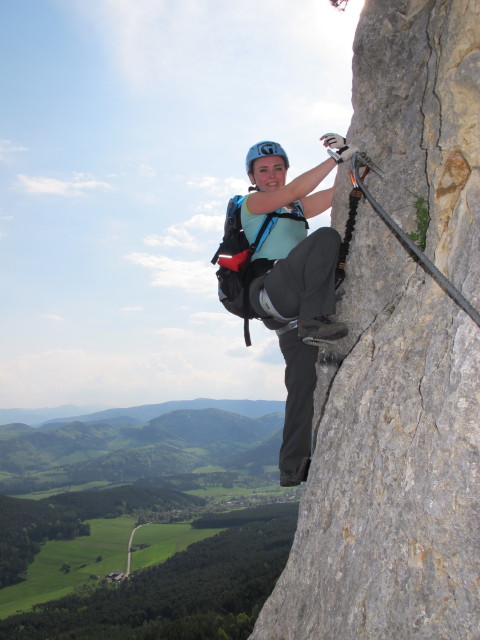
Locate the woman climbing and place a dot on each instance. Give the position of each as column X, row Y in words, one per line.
column 296, row 295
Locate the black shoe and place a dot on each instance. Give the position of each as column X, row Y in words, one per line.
column 327, row 357
column 339, row 276
column 321, row 329
column 300, row 475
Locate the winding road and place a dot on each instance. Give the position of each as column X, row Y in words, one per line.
column 129, row 553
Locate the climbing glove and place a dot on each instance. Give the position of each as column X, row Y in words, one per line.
column 334, row 140
column 343, row 154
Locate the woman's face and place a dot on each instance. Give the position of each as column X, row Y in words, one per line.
column 269, row 173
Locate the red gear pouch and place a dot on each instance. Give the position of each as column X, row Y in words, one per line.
column 236, row 262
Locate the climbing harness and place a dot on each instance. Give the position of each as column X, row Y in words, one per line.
column 362, row 160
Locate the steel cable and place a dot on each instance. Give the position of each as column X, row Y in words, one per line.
column 425, row 262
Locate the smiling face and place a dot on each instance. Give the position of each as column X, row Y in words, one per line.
column 268, row 173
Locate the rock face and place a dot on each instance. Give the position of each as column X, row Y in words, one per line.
column 388, row 538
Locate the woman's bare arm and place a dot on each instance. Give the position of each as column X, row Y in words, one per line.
column 262, row 202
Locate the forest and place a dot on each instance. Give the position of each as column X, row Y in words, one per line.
column 25, row 524
column 213, row 590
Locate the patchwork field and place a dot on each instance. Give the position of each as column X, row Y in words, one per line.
column 63, row 566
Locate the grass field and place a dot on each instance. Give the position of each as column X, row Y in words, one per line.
column 108, row 539
column 222, row 494
column 164, row 540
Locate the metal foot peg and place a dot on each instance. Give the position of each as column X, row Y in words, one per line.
column 327, row 354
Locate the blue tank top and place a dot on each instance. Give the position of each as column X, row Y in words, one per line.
column 284, row 236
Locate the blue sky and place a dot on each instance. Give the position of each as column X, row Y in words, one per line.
column 124, row 126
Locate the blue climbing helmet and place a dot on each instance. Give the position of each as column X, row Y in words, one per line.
column 265, row 148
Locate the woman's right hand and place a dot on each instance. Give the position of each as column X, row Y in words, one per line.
column 333, row 140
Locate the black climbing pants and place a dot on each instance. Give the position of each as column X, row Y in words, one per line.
column 300, row 285
column 300, row 381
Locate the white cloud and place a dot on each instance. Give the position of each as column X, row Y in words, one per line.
column 337, row 27
column 163, row 372
column 211, row 223
column 153, row 40
column 52, row 316
column 310, row 112
column 68, row 188
column 218, row 188
column 192, row 276
column 212, row 205
column 184, row 235
column 211, row 318
column 197, row 74
column 147, row 171
column 173, row 236
column 7, row 149
column 58, row 376
column 4, row 218
column 177, row 236
column 270, row 352
column 206, row 223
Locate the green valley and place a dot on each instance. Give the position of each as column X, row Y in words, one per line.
column 63, row 566
column 120, row 450
column 216, row 586
column 99, row 504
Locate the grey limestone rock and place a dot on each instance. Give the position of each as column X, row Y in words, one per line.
column 388, row 538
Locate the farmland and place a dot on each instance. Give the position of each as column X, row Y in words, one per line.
column 63, row 566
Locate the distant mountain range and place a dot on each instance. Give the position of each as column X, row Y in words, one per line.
column 139, row 414
column 35, row 417
column 118, row 448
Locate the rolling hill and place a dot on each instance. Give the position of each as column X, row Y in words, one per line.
column 144, row 413
column 119, row 451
